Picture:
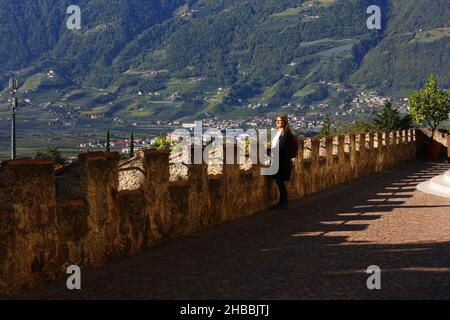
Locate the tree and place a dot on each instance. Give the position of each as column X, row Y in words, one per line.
column 430, row 106
column 406, row 122
column 389, row 119
column 325, row 131
column 132, row 145
column 108, row 142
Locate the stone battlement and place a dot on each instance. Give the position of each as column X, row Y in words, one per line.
column 100, row 208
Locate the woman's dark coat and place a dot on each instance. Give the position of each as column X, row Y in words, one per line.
column 284, row 144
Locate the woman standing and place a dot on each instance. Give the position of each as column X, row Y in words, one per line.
column 282, row 141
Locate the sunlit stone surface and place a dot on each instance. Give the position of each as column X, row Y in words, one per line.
column 439, row 186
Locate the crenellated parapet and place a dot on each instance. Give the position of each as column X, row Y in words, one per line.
column 100, row 208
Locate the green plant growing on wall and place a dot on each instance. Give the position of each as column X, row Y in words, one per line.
column 53, row 153
column 246, row 145
column 162, row 143
column 175, row 146
column 430, row 106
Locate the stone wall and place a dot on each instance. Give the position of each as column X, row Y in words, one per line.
column 131, row 173
column 424, row 135
column 89, row 213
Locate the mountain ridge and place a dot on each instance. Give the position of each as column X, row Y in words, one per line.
column 271, row 52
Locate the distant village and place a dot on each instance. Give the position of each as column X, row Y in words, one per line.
column 121, row 146
column 362, row 103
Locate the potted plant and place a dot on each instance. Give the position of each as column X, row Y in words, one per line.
column 430, row 106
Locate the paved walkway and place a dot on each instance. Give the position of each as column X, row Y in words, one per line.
column 319, row 249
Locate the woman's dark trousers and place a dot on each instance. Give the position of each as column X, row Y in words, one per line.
column 283, row 192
